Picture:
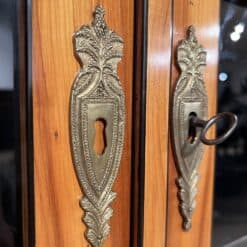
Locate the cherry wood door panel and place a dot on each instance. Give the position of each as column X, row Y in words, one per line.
column 204, row 15
column 57, row 192
column 157, row 107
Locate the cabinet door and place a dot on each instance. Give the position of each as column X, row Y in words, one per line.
column 168, row 25
column 204, row 16
column 58, row 215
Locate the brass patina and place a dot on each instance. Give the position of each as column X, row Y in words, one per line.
column 189, row 99
column 97, row 94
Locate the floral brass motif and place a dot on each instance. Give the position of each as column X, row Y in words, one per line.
column 190, row 97
column 97, row 94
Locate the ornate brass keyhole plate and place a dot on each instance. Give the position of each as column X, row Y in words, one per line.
column 189, row 99
column 97, row 94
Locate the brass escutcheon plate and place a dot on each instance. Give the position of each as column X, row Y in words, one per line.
column 96, row 95
column 189, row 97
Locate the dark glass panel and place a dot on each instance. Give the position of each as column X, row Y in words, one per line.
column 10, row 165
column 230, row 202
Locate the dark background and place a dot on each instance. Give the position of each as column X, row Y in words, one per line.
column 230, row 202
column 10, row 165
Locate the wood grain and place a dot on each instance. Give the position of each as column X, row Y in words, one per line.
column 57, row 192
column 157, row 106
column 204, row 15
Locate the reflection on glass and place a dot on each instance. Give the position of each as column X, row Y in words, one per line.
column 230, row 202
column 9, row 205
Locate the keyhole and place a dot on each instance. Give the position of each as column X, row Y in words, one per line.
column 100, row 137
column 192, row 129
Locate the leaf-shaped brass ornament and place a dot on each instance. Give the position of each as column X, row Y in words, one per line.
column 97, row 94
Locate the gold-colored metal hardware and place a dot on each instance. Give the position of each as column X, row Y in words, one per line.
column 196, row 122
column 189, row 125
column 96, row 95
column 189, row 98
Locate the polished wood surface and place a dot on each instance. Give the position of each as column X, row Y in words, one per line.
column 157, row 107
column 57, row 192
column 204, row 15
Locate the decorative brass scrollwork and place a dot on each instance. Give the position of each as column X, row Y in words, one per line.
column 97, row 95
column 189, row 99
